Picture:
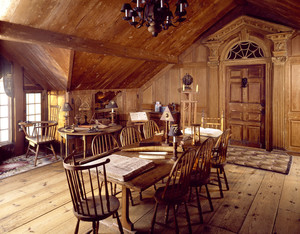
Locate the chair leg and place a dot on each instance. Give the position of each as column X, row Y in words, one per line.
column 175, row 220
column 131, row 199
column 77, row 226
column 119, row 223
column 209, row 198
column 199, row 206
column 154, row 217
column 225, row 178
column 167, row 213
column 95, row 227
column 188, row 217
column 141, row 196
column 28, row 149
column 219, row 182
column 36, row 154
column 53, row 151
column 190, row 195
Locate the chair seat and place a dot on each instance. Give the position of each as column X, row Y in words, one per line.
column 215, row 164
column 195, row 181
column 39, row 140
column 170, row 197
column 89, row 214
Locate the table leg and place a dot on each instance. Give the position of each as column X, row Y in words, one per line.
column 126, row 223
column 84, row 146
column 61, row 146
column 66, row 146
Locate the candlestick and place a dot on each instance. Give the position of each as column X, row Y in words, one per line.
column 183, row 87
column 197, row 88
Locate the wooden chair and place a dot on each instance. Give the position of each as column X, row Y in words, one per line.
column 104, row 143
column 218, row 160
column 150, row 128
column 39, row 134
column 91, row 202
column 177, row 187
column 201, row 173
column 129, row 135
column 207, row 122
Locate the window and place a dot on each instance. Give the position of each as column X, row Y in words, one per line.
column 5, row 115
column 244, row 50
column 33, row 106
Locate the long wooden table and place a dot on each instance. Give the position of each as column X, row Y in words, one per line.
column 141, row 182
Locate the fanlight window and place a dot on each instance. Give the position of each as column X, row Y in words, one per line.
column 244, row 50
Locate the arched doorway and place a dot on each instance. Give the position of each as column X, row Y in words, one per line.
column 245, row 96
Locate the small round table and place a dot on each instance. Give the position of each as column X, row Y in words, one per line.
column 83, row 133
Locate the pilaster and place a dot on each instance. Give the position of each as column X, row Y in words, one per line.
column 278, row 60
column 213, row 81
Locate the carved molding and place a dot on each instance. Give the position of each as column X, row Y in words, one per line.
column 279, row 60
column 213, row 53
column 213, row 63
column 280, row 43
column 247, row 21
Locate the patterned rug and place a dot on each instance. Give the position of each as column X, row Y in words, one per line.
column 18, row 164
column 276, row 161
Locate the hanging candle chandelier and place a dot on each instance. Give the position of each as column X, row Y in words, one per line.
column 154, row 14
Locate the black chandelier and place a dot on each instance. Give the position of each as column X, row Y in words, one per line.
column 155, row 14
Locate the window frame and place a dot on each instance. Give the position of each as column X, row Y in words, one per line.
column 8, row 117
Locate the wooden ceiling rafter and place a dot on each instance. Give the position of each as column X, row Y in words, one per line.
column 22, row 33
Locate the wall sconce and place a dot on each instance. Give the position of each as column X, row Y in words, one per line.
column 112, row 105
column 66, row 108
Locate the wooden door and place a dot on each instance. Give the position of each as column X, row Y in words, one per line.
column 245, row 105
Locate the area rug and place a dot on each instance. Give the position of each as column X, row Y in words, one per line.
column 18, row 164
column 276, row 161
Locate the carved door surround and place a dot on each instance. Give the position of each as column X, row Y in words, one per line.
column 272, row 39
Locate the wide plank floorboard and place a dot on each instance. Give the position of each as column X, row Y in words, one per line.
column 38, row 201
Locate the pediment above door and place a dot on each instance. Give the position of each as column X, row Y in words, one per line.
column 244, row 24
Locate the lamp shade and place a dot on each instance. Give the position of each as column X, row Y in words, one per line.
column 175, row 130
column 67, row 107
column 111, row 104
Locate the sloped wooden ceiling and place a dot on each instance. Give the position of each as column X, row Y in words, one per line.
column 77, row 45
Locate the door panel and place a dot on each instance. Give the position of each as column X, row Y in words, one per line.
column 245, row 100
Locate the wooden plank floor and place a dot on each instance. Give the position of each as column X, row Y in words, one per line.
column 258, row 201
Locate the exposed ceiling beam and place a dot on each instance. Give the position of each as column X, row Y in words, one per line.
column 22, row 33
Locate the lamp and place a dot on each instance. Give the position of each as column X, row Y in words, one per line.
column 112, row 105
column 155, row 14
column 168, row 117
column 174, row 132
column 66, row 108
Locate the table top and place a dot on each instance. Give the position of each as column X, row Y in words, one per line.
column 84, row 131
column 148, row 178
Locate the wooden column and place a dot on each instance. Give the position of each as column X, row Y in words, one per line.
column 213, row 80
column 279, row 58
column 19, row 107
